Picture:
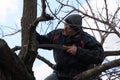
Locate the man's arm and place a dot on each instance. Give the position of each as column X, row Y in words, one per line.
column 93, row 55
column 43, row 39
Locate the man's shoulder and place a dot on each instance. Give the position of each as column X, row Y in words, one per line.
column 57, row 30
column 87, row 37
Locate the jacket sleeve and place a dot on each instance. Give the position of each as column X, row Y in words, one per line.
column 92, row 53
column 44, row 39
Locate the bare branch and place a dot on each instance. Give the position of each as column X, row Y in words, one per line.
column 111, row 53
column 15, row 48
column 53, row 46
column 43, row 7
column 12, row 33
column 96, row 70
column 97, row 30
column 111, row 25
column 106, row 9
column 45, row 61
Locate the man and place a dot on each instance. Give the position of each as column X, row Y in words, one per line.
column 81, row 51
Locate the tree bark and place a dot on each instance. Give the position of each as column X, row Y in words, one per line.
column 11, row 67
column 29, row 15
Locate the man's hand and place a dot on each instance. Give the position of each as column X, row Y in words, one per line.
column 72, row 49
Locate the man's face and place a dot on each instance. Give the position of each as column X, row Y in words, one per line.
column 67, row 29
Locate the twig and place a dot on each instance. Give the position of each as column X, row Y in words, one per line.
column 97, row 30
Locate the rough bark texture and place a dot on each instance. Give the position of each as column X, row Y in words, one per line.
column 11, row 67
column 29, row 15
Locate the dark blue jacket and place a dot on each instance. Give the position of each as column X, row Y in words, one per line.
column 89, row 51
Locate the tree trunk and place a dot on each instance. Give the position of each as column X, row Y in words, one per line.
column 29, row 15
column 3, row 76
column 11, row 67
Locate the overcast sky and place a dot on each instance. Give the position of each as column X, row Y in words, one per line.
column 10, row 14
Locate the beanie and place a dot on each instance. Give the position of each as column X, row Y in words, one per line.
column 74, row 21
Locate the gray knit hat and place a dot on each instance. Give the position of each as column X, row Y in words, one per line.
column 75, row 21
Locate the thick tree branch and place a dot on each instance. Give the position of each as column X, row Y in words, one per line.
column 44, row 16
column 111, row 53
column 15, row 48
column 45, row 61
column 96, row 70
column 12, row 63
column 86, row 74
column 106, row 53
column 53, row 46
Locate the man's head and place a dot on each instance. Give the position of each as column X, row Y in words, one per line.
column 74, row 21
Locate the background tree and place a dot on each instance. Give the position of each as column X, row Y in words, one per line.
column 21, row 68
